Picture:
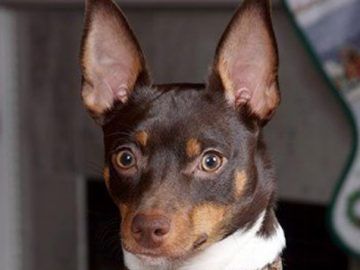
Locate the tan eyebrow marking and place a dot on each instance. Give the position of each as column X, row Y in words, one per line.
column 193, row 147
column 106, row 175
column 240, row 182
column 142, row 137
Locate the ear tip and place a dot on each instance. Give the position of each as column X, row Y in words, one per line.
column 258, row 4
column 98, row 4
column 94, row 2
column 91, row 2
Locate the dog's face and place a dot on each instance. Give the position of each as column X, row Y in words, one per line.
column 185, row 163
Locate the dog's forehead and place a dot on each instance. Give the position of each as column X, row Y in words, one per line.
column 186, row 112
column 183, row 105
column 173, row 99
column 174, row 114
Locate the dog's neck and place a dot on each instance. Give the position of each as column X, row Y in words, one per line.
column 243, row 250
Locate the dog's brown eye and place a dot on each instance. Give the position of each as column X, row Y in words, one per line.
column 211, row 162
column 125, row 159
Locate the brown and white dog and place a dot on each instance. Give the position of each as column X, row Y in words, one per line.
column 186, row 164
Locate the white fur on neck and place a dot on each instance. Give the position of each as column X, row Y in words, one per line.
column 243, row 250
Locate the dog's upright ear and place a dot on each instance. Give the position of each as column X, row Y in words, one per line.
column 111, row 59
column 246, row 61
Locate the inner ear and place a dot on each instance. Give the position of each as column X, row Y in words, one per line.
column 246, row 60
column 112, row 61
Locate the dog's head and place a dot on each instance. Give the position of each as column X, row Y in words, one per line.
column 185, row 163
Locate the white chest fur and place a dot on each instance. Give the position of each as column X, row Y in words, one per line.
column 243, row 250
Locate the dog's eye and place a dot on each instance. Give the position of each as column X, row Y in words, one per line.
column 211, row 162
column 125, row 159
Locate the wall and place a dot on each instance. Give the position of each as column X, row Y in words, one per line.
column 9, row 162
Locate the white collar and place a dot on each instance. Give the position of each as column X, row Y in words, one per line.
column 243, row 250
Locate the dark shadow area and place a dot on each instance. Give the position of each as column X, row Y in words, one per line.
column 309, row 245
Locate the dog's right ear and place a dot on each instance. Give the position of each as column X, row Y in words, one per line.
column 246, row 61
column 112, row 62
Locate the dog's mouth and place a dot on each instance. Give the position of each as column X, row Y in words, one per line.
column 156, row 258
column 145, row 253
column 202, row 239
column 159, row 256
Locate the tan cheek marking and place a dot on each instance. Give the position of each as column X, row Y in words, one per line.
column 193, row 147
column 240, row 182
column 142, row 137
column 179, row 236
column 125, row 226
column 124, row 210
column 206, row 217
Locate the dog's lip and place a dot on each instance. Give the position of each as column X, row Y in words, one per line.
column 148, row 253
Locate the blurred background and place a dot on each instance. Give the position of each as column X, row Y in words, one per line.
column 54, row 211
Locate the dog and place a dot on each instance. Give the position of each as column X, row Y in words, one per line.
column 186, row 164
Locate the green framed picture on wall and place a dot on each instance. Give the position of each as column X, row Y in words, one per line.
column 331, row 32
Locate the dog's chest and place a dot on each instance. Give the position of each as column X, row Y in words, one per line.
column 276, row 265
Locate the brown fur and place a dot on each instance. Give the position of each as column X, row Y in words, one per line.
column 276, row 265
column 184, row 120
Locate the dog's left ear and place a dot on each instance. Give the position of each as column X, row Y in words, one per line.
column 112, row 62
column 246, row 61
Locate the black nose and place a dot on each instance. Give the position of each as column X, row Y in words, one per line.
column 149, row 231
